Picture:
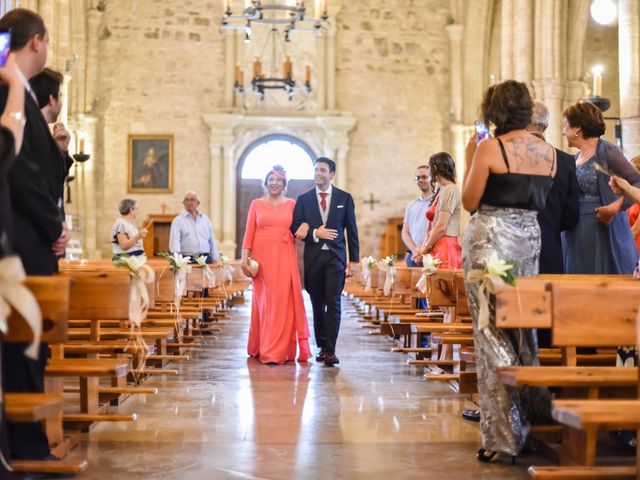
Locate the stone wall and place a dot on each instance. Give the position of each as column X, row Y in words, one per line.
column 393, row 75
column 161, row 67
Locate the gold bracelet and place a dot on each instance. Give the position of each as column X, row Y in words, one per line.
column 18, row 117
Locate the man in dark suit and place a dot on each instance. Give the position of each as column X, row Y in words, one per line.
column 561, row 209
column 328, row 212
column 39, row 235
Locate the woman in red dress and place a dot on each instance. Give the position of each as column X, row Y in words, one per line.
column 442, row 242
column 278, row 320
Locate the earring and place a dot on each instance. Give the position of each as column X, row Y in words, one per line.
column 575, row 134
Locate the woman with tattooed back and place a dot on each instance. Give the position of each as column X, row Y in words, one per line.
column 506, row 184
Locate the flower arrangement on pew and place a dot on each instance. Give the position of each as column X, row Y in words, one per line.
column 429, row 267
column 387, row 264
column 367, row 264
column 492, row 279
column 180, row 266
column 13, row 294
column 207, row 275
column 141, row 273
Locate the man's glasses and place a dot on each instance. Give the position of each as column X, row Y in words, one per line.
column 422, row 177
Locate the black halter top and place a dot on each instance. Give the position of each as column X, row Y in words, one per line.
column 517, row 190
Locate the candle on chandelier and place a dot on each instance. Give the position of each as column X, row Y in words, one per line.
column 597, row 80
column 307, row 74
column 81, row 145
column 257, row 68
column 241, row 78
column 226, row 6
column 287, row 67
column 237, row 76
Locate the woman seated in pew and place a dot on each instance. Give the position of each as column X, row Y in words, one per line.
column 125, row 237
column 279, row 326
column 506, row 183
column 444, row 220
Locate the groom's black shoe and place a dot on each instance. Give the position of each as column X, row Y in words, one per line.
column 320, row 356
column 330, row 359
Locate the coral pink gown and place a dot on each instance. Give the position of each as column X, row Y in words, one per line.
column 278, row 319
column 447, row 249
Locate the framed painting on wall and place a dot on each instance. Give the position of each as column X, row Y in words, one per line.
column 150, row 164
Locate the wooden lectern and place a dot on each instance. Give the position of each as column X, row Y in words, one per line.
column 157, row 239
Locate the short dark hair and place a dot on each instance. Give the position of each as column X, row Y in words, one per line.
column 126, row 205
column 24, row 25
column 586, row 116
column 508, row 105
column 328, row 161
column 46, row 83
column 422, row 166
column 280, row 170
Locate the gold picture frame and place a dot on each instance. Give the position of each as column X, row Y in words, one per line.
column 150, row 163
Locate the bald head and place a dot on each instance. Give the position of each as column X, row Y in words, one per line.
column 539, row 118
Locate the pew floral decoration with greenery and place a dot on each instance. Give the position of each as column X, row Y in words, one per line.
column 13, row 294
column 226, row 270
column 496, row 274
column 367, row 264
column 387, row 264
column 180, row 266
column 429, row 267
column 141, row 273
column 207, row 274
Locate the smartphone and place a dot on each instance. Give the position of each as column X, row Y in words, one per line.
column 5, row 46
column 482, row 132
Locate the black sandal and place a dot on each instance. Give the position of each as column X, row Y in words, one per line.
column 485, row 457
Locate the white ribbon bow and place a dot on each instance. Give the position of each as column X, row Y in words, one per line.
column 429, row 267
column 390, row 277
column 207, row 274
column 14, row 294
column 138, row 295
column 489, row 284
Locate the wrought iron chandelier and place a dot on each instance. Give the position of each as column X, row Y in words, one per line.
column 292, row 14
column 261, row 82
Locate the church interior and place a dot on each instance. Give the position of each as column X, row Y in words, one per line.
column 163, row 97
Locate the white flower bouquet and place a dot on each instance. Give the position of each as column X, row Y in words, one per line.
column 492, row 279
column 367, row 264
column 387, row 264
column 429, row 267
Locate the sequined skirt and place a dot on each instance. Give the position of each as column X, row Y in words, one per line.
column 505, row 412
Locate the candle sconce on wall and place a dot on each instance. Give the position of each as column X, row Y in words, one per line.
column 604, row 103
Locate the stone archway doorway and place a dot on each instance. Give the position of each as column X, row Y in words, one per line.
column 255, row 162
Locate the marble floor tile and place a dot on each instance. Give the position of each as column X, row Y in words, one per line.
column 226, row 416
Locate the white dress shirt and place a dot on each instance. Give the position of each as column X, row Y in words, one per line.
column 325, row 214
column 189, row 236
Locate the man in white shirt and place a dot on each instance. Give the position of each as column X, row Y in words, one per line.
column 416, row 225
column 191, row 232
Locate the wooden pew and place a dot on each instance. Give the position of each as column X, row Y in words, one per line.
column 52, row 294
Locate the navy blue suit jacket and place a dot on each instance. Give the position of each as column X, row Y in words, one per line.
column 342, row 216
column 560, row 213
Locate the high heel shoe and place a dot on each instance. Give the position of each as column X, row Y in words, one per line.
column 484, row 456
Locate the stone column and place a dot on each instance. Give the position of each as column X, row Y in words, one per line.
column 522, row 41
column 456, row 32
column 337, row 130
column 321, row 72
column 553, row 94
column 222, row 193
column 330, row 55
column 230, row 67
column 629, row 62
column 506, row 40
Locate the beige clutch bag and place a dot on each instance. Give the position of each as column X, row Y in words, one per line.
column 255, row 266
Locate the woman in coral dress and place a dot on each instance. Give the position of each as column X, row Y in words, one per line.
column 444, row 217
column 279, row 326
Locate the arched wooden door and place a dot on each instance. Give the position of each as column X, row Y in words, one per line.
column 257, row 160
